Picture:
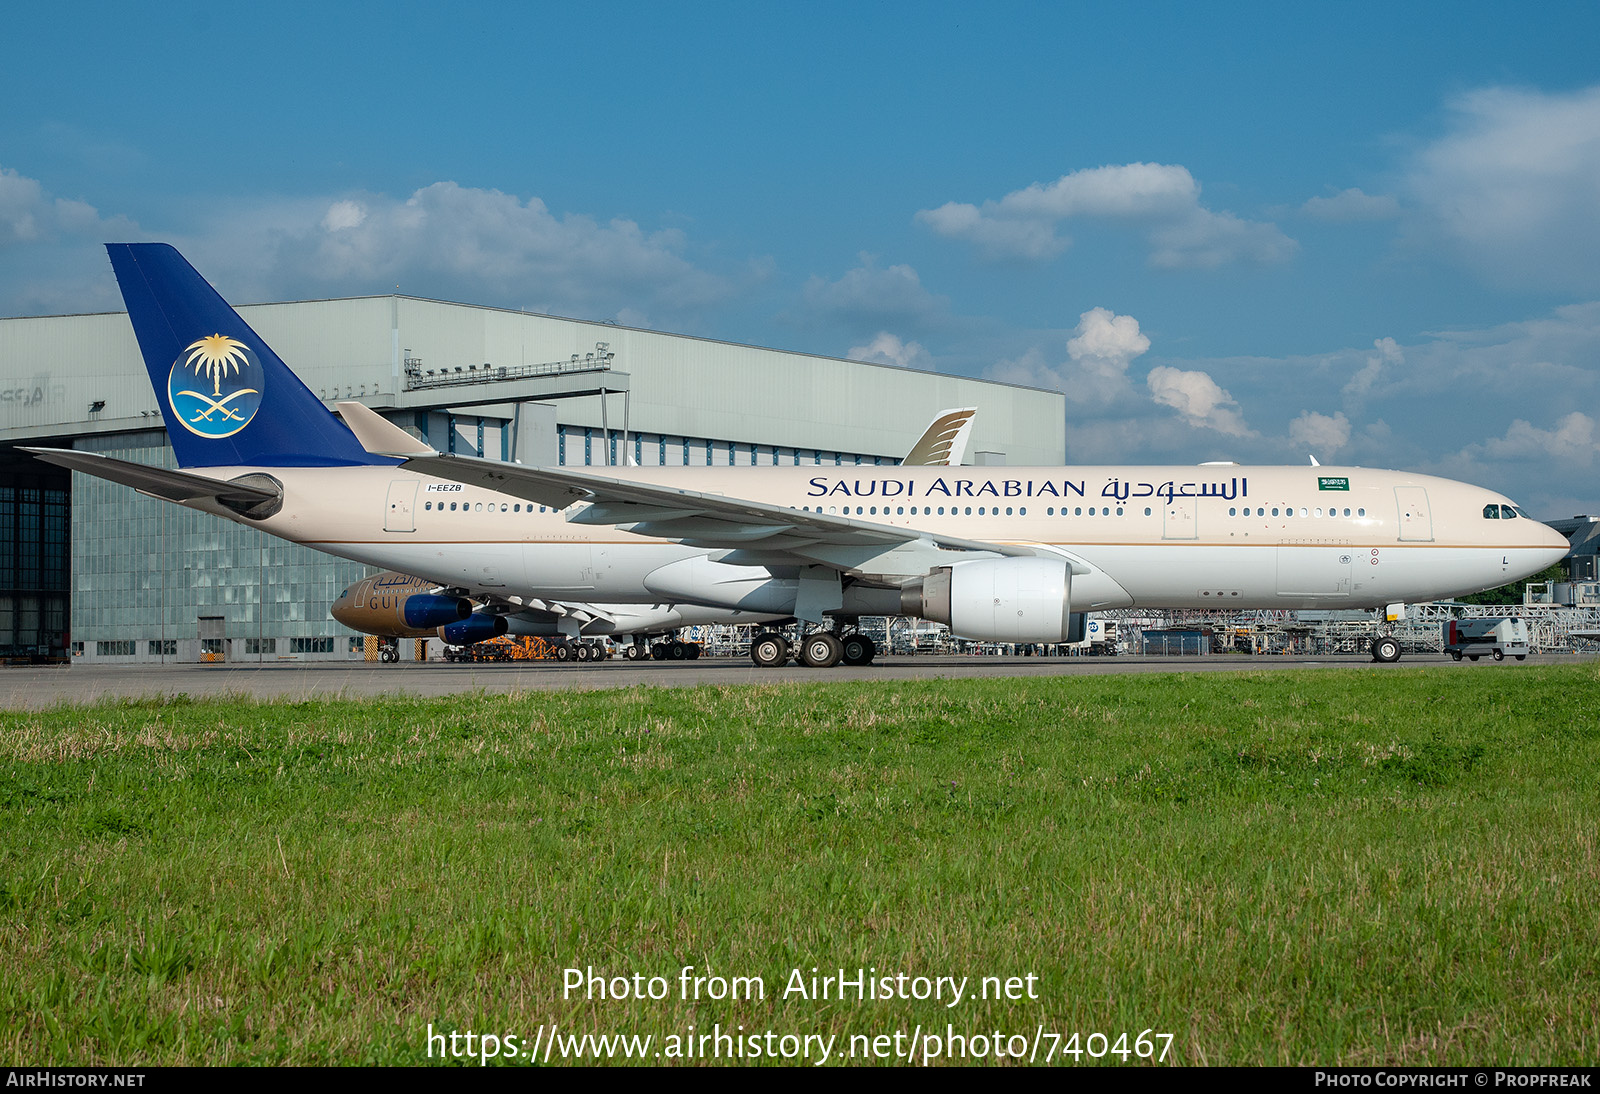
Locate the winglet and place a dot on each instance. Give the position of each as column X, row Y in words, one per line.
column 944, row 442
column 380, row 436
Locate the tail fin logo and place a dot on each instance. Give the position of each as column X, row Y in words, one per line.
column 215, row 361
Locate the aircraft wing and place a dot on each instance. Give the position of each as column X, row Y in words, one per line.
column 746, row 532
column 158, row 482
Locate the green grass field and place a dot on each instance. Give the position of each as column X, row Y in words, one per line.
column 1273, row 867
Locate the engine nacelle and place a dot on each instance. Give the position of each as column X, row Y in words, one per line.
column 999, row 600
column 425, row 610
column 475, row 628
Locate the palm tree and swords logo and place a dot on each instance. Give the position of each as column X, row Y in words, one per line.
column 215, row 356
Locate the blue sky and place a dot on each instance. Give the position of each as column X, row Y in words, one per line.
column 1230, row 231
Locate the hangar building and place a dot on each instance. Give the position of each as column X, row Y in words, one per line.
column 98, row 571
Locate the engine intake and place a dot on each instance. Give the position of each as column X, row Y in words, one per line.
column 999, row 600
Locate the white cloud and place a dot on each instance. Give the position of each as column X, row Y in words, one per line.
column 1162, row 199
column 888, row 349
column 869, row 298
column 64, row 270
column 1389, row 353
column 1320, row 433
column 1514, row 188
column 1095, row 373
column 1573, row 442
column 1198, row 398
column 1352, row 205
column 454, row 242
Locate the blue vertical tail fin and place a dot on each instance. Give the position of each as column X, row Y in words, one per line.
column 227, row 398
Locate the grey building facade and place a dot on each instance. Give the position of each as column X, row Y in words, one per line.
column 95, row 570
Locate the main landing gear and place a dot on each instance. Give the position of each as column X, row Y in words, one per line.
column 1386, row 649
column 818, row 650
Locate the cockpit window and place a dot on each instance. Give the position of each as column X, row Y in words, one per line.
column 1491, row 512
column 1508, row 512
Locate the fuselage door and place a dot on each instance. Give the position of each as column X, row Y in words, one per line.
column 399, row 514
column 1177, row 520
column 1416, row 523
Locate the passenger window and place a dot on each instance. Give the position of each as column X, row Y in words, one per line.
column 1147, row 510
column 1078, row 512
column 968, row 512
column 1050, row 512
column 941, row 510
column 1361, row 512
column 1302, row 511
column 1233, row 511
column 1319, row 511
column 1023, row 511
column 452, row 507
column 1274, row 510
column 427, row 505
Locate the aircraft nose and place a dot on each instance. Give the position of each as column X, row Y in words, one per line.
column 1556, row 542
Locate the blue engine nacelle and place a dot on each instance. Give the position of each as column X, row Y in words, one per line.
column 475, row 628
column 424, row 610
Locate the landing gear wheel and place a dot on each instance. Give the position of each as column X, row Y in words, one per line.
column 583, row 652
column 1387, row 650
column 1499, row 655
column 658, row 652
column 388, row 655
column 769, row 650
column 677, row 651
column 858, row 649
column 635, row 652
column 821, row 650
column 1472, row 657
column 564, row 652
column 691, row 650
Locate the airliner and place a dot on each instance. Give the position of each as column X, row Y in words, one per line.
column 998, row 554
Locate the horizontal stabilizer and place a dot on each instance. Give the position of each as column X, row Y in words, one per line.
column 179, row 486
column 378, row 435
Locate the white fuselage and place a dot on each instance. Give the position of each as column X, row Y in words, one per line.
column 1177, row 537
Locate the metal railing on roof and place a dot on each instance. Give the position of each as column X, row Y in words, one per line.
column 418, row 378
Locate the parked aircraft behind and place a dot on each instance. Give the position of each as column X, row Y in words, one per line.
column 998, row 554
